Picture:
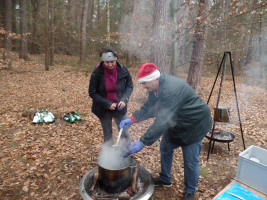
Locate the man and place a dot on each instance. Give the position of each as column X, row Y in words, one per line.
column 182, row 119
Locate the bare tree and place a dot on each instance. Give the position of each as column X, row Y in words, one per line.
column 23, row 30
column 159, row 43
column 15, row 28
column 196, row 63
column 7, row 23
column 83, row 31
column 174, row 61
column 46, row 35
column 108, row 22
column 36, row 16
column 14, row 16
column 51, row 32
column 71, row 25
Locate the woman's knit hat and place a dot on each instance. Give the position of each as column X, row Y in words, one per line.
column 148, row 72
column 108, row 56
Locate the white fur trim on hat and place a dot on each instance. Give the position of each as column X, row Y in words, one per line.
column 108, row 56
column 150, row 77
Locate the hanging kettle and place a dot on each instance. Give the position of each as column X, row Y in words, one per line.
column 222, row 114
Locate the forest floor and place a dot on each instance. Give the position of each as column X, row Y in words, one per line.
column 47, row 161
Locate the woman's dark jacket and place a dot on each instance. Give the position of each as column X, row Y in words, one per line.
column 97, row 89
column 180, row 113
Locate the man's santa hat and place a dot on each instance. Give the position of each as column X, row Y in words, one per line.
column 148, row 72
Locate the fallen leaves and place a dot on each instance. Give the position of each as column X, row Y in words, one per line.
column 47, row 161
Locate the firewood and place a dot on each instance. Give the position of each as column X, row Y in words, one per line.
column 134, row 180
column 95, row 177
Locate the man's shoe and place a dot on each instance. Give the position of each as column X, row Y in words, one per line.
column 188, row 196
column 158, row 182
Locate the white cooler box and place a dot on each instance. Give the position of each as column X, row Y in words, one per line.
column 252, row 168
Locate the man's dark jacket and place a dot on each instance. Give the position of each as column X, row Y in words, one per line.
column 180, row 113
column 97, row 89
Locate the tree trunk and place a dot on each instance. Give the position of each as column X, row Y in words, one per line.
column 263, row 67
column 196, row 63
column 23, row 30
column 71, row 24
column 250, row 46
column 159, row 43
column 51, row 32
column 7, row 24
column 15, row 28
column 98, row 12
column 36, row 18
column 91, row 15
column 90, row 22
column 108, row 23
column 83, row 31
column 14, row 16
column 174, row 61
column 46, row 36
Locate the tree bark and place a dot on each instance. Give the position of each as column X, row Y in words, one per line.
column 15, row 29
column 51, row 32
column 263, row 67
column 159, row 44
column 7, row 24
column 250, row 46
column 196, row 63
column 14, row 16
column 83, row 31
column 108, row 23
column 46, row 35
column 23, row 30
column 71, row 26
column 36, row 17
column 174, row 61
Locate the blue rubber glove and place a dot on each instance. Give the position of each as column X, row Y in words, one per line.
column 135, row 148
column 125, row 124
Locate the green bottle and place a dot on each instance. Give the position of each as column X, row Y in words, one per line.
column 36, row 118
column 76, row 115
column 66, row 117
column 41, row 117
column 71, row 118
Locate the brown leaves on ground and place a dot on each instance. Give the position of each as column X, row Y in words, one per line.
column 47, row 161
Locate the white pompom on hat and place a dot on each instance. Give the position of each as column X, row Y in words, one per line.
column 148, row 72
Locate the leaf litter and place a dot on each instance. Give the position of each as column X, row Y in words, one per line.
column 47, row 161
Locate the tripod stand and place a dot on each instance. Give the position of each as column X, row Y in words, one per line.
column 223, row 63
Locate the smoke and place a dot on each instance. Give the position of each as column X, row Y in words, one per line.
column 112, row 157
column 137, row 34
column 256, row 71
column 136, row 30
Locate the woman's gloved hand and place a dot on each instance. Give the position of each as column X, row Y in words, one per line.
column 126, row 123
column 135, row 148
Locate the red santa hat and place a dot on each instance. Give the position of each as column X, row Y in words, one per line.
column 148, row 72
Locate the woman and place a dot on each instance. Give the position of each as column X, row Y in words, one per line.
column 110, row 89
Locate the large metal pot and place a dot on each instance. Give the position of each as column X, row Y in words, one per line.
column 115, row 180
column 222, row 114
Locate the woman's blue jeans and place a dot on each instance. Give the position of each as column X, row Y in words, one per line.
column 191, row 163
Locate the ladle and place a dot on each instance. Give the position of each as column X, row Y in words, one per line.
column 119, row 136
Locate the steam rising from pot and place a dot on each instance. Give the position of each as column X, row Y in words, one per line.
column 112, row 157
